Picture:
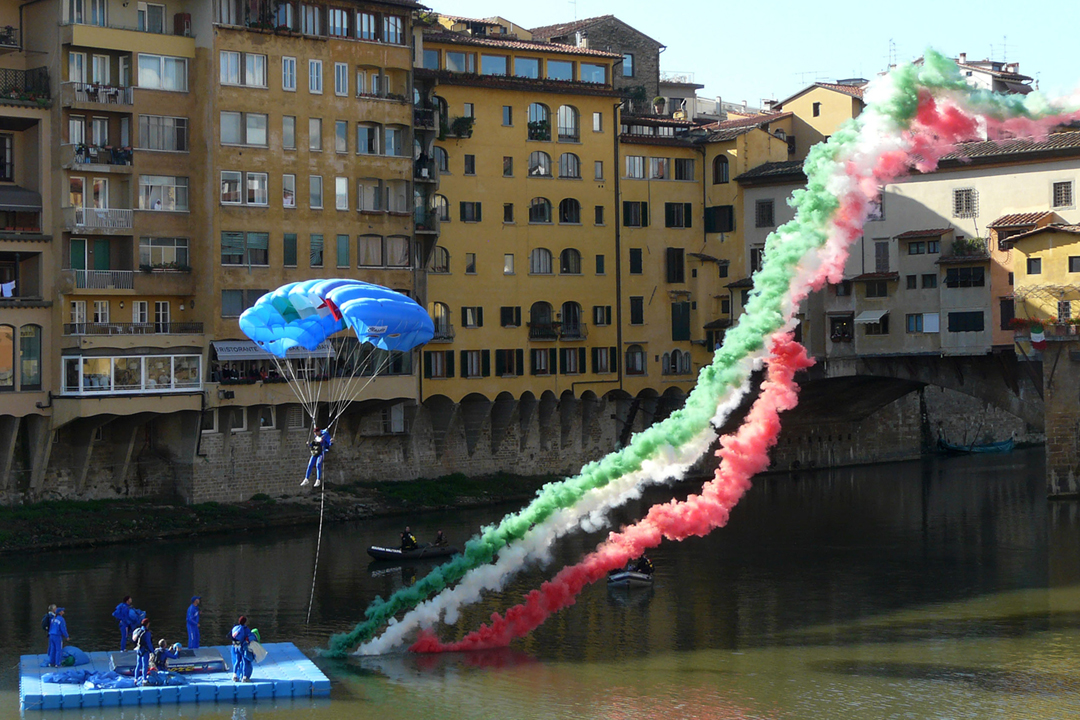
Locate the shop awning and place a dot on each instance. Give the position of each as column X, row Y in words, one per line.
column 230, row 350
column 868, row 317
column 19, row 199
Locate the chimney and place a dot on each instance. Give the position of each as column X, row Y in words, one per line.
column 1013, row 68
column 768, row 105
column 962, row 58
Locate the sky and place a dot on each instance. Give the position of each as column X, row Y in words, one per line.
column 752, row 50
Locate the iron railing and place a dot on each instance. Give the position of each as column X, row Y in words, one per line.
column 101, row 94
column 424, row 118
column 543, row 331
column 94, row 155
column 16, row 83
column 9, row 36
column 98, row 218
column 104, row 279
column 573, row 331
column 152, row 328
column 444, row 333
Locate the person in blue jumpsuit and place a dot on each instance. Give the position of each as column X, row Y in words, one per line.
column 128, row 620
column 143, row 647
column 319, row 445
column 241, row 654
column 193, row 613
column 162, row 655
column 58, row 633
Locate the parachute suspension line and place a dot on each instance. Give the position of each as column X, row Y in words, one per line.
column 318, row 547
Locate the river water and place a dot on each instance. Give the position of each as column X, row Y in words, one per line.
column 946, row 588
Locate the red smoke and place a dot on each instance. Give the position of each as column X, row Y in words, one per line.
column 743, row 455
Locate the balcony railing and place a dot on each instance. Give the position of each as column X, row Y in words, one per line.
column 177, row 328
column 444, row 333
column 9, row 37
column 24, row 84
column 94, row 155
column 1052, row 332
column 573, row 331
column 426, row 220
column 98, row 218
column 104, row 279
column 543, row 331
column 424, row 169
column 424, row 118
column 100, row 94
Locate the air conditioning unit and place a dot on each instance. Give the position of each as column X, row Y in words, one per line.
column 182, row 24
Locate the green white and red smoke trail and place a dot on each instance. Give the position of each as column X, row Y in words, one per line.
column 913, row 115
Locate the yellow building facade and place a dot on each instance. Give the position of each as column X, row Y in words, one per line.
column 1047, row 280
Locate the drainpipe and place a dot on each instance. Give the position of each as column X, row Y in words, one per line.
column 616, row 129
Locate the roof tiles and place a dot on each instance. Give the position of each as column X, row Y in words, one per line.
column 454, row 38
column 916, row 234
column 1020, row 219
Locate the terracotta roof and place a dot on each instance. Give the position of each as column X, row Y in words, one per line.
column 1057, row 227
column 569, row 28
column 855, row 91
column 915, row 234
column 656, row 121
column 877, row 276
column 566, row 87
column 627, row 139
column 718, row 324
column 1020, row 219
column 462, row 18
column 996, row 73
column 751, row 121
column 453, row 38
column 994, row 150
column 770, row 171
column 741, row 283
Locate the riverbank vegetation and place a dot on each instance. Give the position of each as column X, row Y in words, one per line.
column 57, row 524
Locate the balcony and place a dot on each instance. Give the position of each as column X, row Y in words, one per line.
column 1052, row 332
column 9, row 39
column 425, row 221
column 104, row 279
column 97, row 218
column 544, row 331
column 424, row 118
column 100, row 96
column 25, row 87
column 444, row 333
column 424, row 169
column 171, row 328
column 573, row 331
column 98, row 159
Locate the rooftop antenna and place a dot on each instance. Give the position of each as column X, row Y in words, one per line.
column 1005, row 48
column 803, row 75
column 574, row 3
column 892, row 52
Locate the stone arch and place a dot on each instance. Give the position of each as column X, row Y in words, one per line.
column 440, row 412
column 648, row 402
column 549, row 403
column 672, row 399
column 590, row 412
column 526, row 411
column 568, row 408
column 502, row 411
column 475, row 409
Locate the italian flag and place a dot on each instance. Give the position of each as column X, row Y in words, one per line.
column 1038, row 337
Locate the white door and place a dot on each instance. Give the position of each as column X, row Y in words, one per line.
column 77, row 67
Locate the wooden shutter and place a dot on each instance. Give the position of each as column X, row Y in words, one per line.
column 500, row 363
column 479, row 316
column 680, row 321
column 449, row 363
column 596, row 359
column 669, row 215
column 463, row 211
column 427, row 364
column 613, row 359
column 562, row 360
column 644, row 214
column 517, row 316
column 464, row 363
column 553, row 358
column 519, row 366
column 626, row 213
column 485, row 363
column 532, row 361
column 581, row 360
column 687, row 214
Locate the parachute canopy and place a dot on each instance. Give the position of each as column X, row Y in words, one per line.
column 304, row 314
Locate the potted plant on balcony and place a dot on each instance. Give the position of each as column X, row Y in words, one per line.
column 462, row 126
column 539, row 129
column 659, row 104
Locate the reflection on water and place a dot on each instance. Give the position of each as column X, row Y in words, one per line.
column 947, row 588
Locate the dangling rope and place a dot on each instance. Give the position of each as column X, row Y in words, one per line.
column 318, row 547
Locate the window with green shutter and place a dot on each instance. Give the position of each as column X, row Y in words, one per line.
column 316, row 255
column 343, row 251
column 680, row 321
column 289, row 250
column 232, row 248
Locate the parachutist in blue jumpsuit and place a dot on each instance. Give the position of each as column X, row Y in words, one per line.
column 58, row 632
column 128, row 620
column 193, row 613
column 319, row 446
column 241, row 654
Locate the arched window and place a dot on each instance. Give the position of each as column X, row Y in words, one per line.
column 665, row 363
column 570, row 212
column 440, row 260
column 676, row 362
column 30, row 357
column 540, row 210
column 569, row 125
column 7, row 357
column 440, row 316
column 539, row 122
column 442, row 160
column 539, row 164
column 441, row 206
column 540, row 325
column 720, row 170
column 571, row 327
column 540, row 262
column 570, row 262
column 684, row 363
column 635, row 360
column 569, row 166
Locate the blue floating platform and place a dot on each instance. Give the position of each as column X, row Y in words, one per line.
column 285, row 673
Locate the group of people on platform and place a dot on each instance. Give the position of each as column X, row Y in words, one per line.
column 135, row 626
column 408, row 540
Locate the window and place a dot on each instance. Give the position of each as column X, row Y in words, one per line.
column 637, row 310
column 311, row 21
column 569, row 166
column 1063, row 195
column 289, row 250
column 678, row 215
column 239, row 248
column 571, row 361
column 341, row 79
column 257, row 188
column 315, row 252
column 684, row 169
column 367, row 139
column 570, row 212
column 397, row 251
column 569, row 124
column 157, row 132
column 460, row 62
column 635, row 166
column 542, row 361
column 635, row 214
column 598, row 215
column 915, row 323
column 877, row 289
column 494, row 64
column 439, row 364
column 628, row 65
column 337, row 22
column 99, row 131
column 369, row 251
column 540, row 210
column 525, row 67
column 366, row 26
column 315, row 77
column 916, row 248
column 912, row 282
column 394, row 140
column 560, row 70
column 635, row 360
column 369, row 195
column 933, row 247
column 341, row 193
column 929, row 281
column 598, row 170
column 470, row 263
column 246, row 69
column 971, row 321
column 965, row 203
column 539, row 164
column 288, row 132
column 1064, row 310
column 315, row 192
column 243, row 128
column 442, row 160
column 1074, row 263
column 163, row 192
column 341, row 136
column 881, row 327
column 570, row 262
column 658, row 169
column 76, row 129
column 508, row 166
column 1034, row 267
column 966, row 277
column 720, row 219
column 635, row 261
column 160, row 72
column 816, row 109
column 508, row 264
column 315, row 134
column 393, row 30
column 510, row 316
column 539, row 126
column 508, row 115
column 720, row 170
column 604, row 360
column 763, row 214
column 470, row 212
column 472, row 316
column 288, row 74
column 431, row 60
column 509, row 363
column 598, row 122
column 601, row 315
column 163, row 251
column 508, row 212
column 591, row 73
column 343, row 251
column 675, row 265
column 540, row 262
column 470, row 165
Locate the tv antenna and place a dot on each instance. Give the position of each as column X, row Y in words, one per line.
column 574, row 3
column 807, row 73
column 892, row 52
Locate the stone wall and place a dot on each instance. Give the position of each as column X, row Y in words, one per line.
column 1061, row 380
column 614, row 36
